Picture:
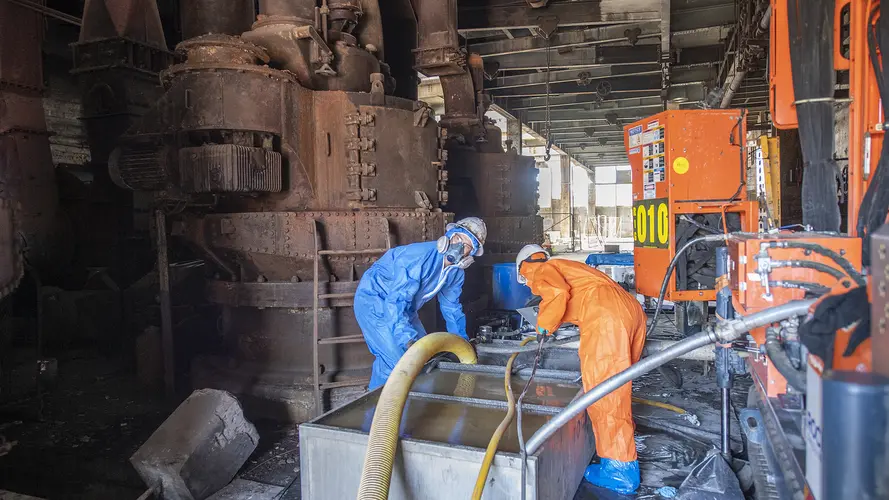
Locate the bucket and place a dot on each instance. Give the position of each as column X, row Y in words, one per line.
column 509, row 294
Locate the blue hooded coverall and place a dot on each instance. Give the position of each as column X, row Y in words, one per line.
column 392, row 291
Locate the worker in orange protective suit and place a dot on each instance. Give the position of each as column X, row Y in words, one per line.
column 612, row 334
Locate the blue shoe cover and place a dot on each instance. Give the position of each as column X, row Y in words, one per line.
column 622, row 477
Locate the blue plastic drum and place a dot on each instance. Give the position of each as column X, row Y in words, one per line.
column 509, row 294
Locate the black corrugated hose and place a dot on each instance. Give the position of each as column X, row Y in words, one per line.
column 811, row 60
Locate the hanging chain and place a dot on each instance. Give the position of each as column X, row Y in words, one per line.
column 548, row 122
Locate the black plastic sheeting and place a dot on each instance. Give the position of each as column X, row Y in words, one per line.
column 811, row 58
column 712, row 479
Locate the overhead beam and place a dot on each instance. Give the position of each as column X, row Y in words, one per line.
column 566, row 39
column 703, row 16
column 574, row 135
column 641, row 92
column 499, row 14
column 590, row 122
column 682, row 92
column 614, row 150
column 588, row 79
column 700, row 37
column 569, row 137
column 612, row 145
column 574, row 58
column 580, row 125
column 592, row 154
column 570, row 58
column 559, row 129
column 591, row 74
column 594, row 140
column 589, row 101
column 609, row 36
column 648, row 106
column 596, row 160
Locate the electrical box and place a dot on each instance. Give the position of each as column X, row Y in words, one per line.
column 689, row 179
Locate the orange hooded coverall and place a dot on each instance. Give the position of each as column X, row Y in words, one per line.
column 612, row 334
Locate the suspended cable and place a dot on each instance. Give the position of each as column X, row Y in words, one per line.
column 549, row 136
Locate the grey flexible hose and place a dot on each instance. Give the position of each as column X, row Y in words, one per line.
column 725, row 331
column 669, row 273
column 781, row 362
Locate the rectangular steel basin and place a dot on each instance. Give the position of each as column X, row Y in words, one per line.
column 443, row 437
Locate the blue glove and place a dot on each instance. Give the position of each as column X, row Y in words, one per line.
column 622, row 477
column 541, row 331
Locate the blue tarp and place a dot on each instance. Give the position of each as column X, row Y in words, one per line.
column 609, row 259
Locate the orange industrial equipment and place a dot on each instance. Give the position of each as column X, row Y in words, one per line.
column 689, row 175
column 865, row 142
column 780, row 84
column 767, row 270
column 865, row 112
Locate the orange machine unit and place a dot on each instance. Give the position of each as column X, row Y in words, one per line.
column 768, row 270
column 865, row 111
column 688, row 176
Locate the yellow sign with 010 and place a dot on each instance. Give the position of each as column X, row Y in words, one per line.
column 651, row 223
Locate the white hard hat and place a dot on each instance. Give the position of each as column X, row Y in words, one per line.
column 474, row 226
column 526, row 252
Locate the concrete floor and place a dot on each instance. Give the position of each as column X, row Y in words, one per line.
column 97, row 415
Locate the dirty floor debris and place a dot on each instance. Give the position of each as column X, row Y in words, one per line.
column 97, row 415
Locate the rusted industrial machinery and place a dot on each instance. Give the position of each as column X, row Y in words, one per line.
column 501, row 188
column 689, row 179
column 117, row 59
column 483, row 180
column 26, row 169
column 281, row 157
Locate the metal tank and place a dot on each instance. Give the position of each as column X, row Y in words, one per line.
column 281, row 158
column 443, row 436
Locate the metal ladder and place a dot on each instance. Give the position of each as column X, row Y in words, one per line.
column 317, row 342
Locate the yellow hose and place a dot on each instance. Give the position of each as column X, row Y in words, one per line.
column 381, row 445
column 504, row 424
column 666, row 406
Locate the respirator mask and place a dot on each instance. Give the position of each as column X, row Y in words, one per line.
column 453, row 252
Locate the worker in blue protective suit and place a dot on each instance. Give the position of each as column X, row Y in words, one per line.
column 398, row 284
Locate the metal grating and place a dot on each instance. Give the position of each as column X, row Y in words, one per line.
column 139, row 167
column 228, row 168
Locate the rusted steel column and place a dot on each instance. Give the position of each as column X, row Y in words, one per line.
column 163, row 274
